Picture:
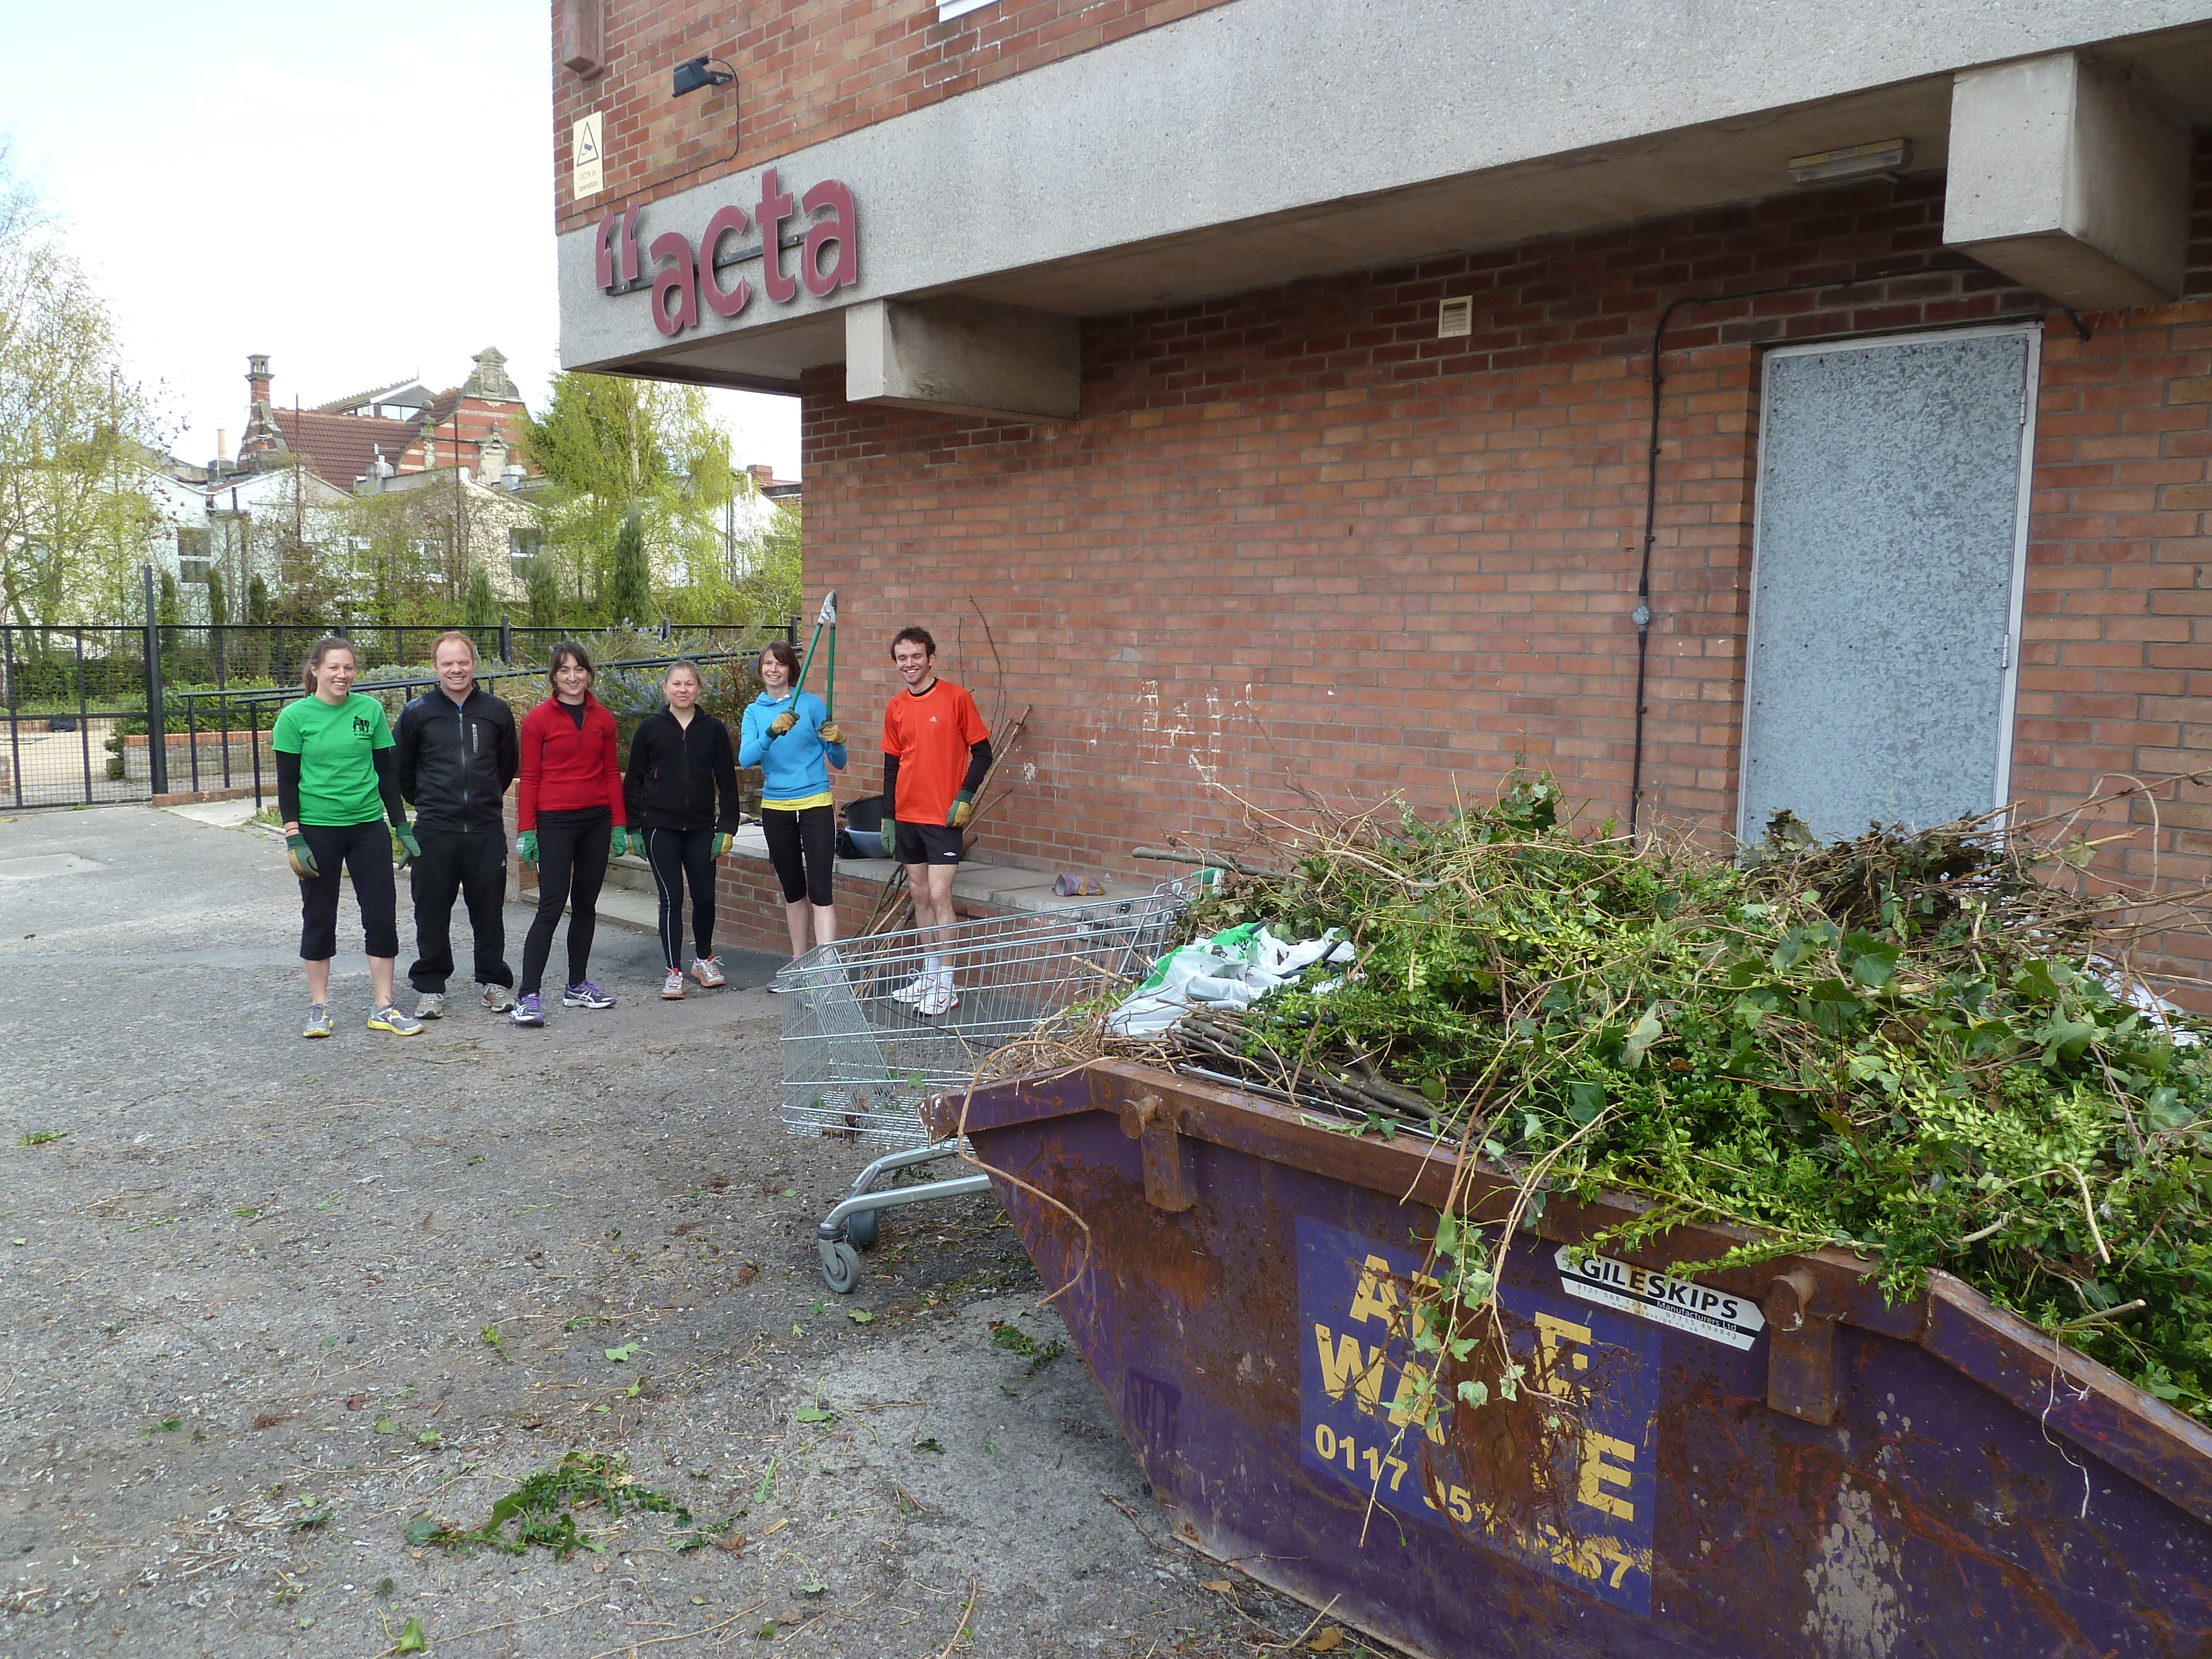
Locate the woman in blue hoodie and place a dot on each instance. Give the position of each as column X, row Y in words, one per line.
column 789, row 736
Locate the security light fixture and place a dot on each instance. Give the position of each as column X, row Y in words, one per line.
column 692, row 74
column 1883, row 159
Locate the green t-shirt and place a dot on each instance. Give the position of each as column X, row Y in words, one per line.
column 334, row 742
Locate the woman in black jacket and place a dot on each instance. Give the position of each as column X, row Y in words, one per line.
column 680, row 793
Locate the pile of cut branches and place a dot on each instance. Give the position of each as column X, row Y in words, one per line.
column 1928, row 1047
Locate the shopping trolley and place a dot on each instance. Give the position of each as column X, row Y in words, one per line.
column 859, row 1060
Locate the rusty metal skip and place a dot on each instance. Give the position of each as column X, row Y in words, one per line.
column 1770, row 1461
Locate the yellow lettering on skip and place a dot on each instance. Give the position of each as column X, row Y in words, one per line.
column 1342, row 1367
column 1377, row 1296
column 1597, row 1474
column 1403, row 1404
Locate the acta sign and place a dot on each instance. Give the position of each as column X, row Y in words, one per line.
column 825, row 232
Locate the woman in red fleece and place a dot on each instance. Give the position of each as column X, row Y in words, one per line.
column 569, row 811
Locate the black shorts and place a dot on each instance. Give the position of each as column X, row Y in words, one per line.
column 927, row 843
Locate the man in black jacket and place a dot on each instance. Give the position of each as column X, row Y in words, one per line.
column 457, row 754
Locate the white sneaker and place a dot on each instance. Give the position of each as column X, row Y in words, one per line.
column 498, row 999
column 915, row 992
column 431, row 1004
column 707, row 970
column 671, row 989
column 937, row 997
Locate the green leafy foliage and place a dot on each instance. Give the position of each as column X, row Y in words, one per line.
column 629, row 591
column 1901, row 1045
column 542, row 1511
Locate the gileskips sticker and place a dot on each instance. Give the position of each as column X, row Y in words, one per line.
column 1677, row 1302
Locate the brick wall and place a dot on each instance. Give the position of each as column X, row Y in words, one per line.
column 807, row 70
column 1297, row 545
column 2116, row 652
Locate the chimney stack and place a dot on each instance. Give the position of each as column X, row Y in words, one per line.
column 262, row 436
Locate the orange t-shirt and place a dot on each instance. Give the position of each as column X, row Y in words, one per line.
column 931, row 734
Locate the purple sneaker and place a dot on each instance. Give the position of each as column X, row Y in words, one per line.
column 527, row 1011
column 586, row 995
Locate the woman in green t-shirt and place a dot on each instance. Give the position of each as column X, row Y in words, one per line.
column 337, row 786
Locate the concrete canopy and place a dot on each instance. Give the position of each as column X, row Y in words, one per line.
column 1273, row 140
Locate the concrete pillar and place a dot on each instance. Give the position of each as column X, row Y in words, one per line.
column 2071, row 177
column 963, row 357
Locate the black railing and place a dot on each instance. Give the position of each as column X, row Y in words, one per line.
column 86, row 723
column 260, row 709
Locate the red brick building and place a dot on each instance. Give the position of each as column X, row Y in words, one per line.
column 403, row 427
column 1277, row 379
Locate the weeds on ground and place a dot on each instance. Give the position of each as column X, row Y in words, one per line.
column 542, row 1510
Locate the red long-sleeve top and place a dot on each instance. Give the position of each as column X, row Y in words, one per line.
column 566, row 769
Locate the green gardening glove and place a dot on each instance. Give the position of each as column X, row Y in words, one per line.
column 525, row 848
column 722, row 844
column 620, row 844
column 963, row 810
column 410, row 848
column 302, row 858
column 783, row 722
column 890, row 834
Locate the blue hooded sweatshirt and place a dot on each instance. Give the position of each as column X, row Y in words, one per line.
column 793, row 774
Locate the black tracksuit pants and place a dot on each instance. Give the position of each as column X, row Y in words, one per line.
column 676, row 856
column 365, row 850
column 572, row 863
column 471, row 863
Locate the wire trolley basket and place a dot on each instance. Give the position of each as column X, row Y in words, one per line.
column 860, row 1059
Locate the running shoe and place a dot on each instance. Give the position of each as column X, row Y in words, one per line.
column 915, row 992
column 586, row 995
column 319, row 1020
column 431, row 1004
column 671, row 989
column 937, row 997
column 389, row 1019
column 708, row 971
column 783, row 984
column 498, row 999
column 527, row 1010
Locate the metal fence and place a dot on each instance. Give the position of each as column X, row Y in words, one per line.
column 105, row 712
column 221, row 739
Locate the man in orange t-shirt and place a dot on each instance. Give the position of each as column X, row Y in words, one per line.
column 936, row 752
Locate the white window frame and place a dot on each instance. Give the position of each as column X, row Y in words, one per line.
column 949, row 9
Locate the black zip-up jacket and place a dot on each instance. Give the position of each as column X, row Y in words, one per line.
column 676, row 773
column 456, row 761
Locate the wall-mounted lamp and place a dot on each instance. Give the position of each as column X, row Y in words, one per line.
column 1885, row 158
column 693, row 73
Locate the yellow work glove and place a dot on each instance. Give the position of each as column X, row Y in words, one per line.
column 301, row 857
column 721, row 843
column 963, row 810
column 783, row 722
column 832, row 732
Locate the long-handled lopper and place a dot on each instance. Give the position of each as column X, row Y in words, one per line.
column 826, row 617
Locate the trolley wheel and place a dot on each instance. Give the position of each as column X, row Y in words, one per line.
column 841, row 1266
column 860, row 1229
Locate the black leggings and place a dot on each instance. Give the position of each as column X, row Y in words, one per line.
column 572, row 862
column 365, row 850
column 677, row 855
column 803, row 846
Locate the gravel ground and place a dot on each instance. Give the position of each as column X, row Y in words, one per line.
column 252, row 1291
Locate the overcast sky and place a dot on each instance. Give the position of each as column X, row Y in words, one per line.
column 362, row 192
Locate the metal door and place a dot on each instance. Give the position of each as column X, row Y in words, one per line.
column 1890, row 533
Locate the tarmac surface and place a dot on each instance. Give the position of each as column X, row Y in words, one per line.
column 270, row 1304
